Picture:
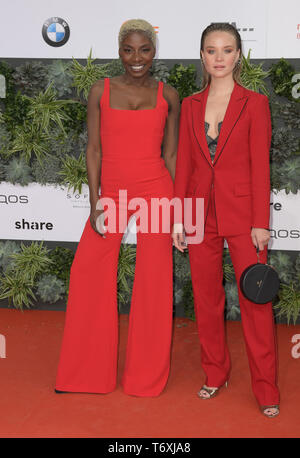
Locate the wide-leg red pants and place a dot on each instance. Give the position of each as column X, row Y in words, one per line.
column 89, row 352
column 209, row 299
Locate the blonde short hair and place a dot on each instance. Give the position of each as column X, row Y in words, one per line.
column 137, row 25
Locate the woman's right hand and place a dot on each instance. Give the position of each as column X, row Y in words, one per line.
column 98, row 226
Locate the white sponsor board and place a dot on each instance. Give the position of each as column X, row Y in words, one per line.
column 285, row 221
column 37, row 212
column 283, row 29
column 270, row 28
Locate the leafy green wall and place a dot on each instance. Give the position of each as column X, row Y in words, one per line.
column 43, row 136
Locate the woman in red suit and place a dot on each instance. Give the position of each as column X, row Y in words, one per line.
column 223, row 157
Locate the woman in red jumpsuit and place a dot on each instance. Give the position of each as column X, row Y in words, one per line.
column 130, row 118
column 223, row 157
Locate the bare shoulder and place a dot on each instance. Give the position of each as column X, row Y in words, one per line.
column 170, row 92
column 96, row 90
column 171, row 96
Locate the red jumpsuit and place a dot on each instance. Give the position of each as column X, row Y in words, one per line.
column 131, row 160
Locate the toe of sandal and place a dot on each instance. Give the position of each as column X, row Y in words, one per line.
column 264, row 410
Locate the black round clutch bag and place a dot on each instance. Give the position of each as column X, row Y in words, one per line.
column 259, row 283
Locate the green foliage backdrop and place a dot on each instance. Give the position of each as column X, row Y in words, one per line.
column 43, row 137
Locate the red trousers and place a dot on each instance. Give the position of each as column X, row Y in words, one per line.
column 209, row 299
column 89, row 353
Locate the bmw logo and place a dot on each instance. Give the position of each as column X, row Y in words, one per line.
column 55, row 31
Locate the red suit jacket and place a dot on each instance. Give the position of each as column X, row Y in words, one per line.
column 240, row 173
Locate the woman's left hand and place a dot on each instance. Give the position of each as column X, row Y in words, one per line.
column 260, row 237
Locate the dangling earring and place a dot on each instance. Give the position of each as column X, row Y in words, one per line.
column 238, row 62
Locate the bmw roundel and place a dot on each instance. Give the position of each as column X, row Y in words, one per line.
column 55, row 31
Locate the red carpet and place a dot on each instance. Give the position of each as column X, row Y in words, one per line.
column 30, row 408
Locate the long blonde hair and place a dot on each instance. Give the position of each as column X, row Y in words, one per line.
column 222, row 27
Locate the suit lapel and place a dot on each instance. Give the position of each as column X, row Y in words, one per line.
column 235, row 106
column 198, row 113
